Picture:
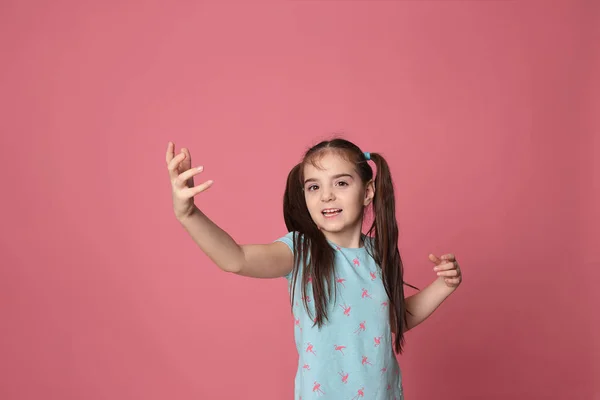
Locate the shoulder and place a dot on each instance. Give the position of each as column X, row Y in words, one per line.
column 369, row 242
column 288, row 239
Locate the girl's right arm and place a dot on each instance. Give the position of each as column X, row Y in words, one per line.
column 256, row 260
column 271, row 260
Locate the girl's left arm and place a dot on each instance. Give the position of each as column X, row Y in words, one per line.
column 422, row 304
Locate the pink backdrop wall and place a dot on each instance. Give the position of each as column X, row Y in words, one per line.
column 488, row 112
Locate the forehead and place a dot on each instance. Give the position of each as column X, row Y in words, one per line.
column 327, row 164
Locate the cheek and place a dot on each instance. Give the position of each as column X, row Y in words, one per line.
column 352, row 199
column 356, row 204
column 313, row 208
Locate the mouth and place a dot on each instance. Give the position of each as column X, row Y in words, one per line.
column 331, row 212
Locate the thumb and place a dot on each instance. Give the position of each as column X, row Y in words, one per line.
column 434, row 259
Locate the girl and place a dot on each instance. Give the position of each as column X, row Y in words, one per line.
column 346, row 287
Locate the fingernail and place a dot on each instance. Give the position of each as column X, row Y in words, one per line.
column 200, row 168
column 435, row 268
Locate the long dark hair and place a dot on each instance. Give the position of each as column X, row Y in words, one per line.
column 309, row 240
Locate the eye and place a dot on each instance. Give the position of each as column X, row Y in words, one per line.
column 343, row 183
column 310, row 188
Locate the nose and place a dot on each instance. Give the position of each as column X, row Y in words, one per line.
column 327, row 194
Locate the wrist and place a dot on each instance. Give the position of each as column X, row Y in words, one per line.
column 443, row 287
column 184, row 218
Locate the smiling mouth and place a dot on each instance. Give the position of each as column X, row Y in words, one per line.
column 331, row 212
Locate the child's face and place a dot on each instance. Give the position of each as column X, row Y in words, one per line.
column 335, row 195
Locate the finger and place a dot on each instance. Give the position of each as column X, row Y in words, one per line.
column 186, row 165
column 449, row 273
column 434, row 259
column 198, row 189
column 188, row 175
column 170, row 151
column 452, row 281
column 174, row 164
column 448, row 257
column 445, row 266
column 187, row 162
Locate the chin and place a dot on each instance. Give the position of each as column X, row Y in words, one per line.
column 337, row 226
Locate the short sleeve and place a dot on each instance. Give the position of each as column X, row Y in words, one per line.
column 288, row 239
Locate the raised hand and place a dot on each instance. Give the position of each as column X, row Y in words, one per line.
column 182, row 175
column 448, row 269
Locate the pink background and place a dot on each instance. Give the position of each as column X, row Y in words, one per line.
column 488, row 112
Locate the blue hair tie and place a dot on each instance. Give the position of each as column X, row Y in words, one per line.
column 367, row 156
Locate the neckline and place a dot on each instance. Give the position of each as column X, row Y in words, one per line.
column 364, row 238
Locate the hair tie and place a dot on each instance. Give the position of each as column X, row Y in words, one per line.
column 367, row 155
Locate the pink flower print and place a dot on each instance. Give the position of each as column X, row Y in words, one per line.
column 317, row 388
column 356, row 262
column 310, row 279
column 341, row 280
column 373, row 276
column 377, row 340
column 307, row 298
column 309, row 348
column 383, row 370
column 384, row 305
column 389, row 387
column 365, row 293
column 297, row 321
column 361, row 393
column 306, row 367
column 346, row 309
column 338, row 248
column 344, row 376
column 339, row 348
column 365, row 361
column 361, row 328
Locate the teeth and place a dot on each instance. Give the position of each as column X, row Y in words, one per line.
column 332, row 211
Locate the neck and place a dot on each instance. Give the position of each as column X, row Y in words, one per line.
column 349, row 239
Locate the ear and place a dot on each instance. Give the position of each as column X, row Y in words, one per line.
column 369, row 192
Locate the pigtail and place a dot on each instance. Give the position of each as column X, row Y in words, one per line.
column 312, row 252
column 295, row 212
column 387, row 254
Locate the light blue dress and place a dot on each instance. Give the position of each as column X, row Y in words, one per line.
column 351, row 356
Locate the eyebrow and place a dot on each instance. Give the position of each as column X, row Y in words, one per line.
column 333, row 177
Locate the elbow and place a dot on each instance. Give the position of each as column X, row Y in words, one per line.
column 233, row 269
column 236, row 265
